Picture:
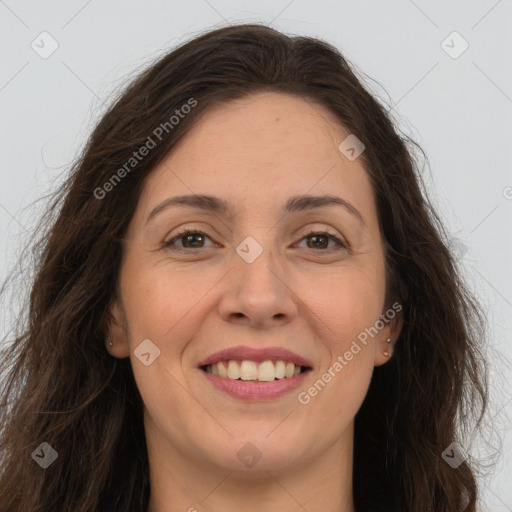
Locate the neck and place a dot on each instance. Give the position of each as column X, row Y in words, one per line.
column 180, row 483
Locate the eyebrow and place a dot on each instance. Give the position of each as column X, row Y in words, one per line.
column 216, row 205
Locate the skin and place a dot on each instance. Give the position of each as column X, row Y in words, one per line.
column 255, row 153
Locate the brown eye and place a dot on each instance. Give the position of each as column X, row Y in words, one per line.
column 190, row 240
column 320, row 240
column 193, row 239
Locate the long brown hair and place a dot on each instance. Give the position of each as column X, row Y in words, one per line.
column 63, row 388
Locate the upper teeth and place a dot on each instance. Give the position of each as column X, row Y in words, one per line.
column 250, row 370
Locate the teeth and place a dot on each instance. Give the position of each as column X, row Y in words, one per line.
column 248, row 370
column 223, row 371
column 280, row 369
column 233, row 370
column 266, row 371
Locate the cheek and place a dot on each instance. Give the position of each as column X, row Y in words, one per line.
column 146, row 304
column 345, row 308
column 347, row 302
column 160, row 304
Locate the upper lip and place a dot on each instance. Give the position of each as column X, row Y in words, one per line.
column 255, row 354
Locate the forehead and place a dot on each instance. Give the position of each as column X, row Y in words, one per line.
column 284, row 126
column 257, row 151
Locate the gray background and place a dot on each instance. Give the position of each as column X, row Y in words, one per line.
column 458, row 109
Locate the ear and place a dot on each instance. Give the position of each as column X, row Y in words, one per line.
column 391, row 332
column 116, row 332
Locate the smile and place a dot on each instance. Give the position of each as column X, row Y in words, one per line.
column 246, row 370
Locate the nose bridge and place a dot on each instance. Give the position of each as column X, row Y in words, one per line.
column 257, row 289
column 256, row 265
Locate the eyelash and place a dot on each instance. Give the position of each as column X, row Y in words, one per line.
column 170, row 243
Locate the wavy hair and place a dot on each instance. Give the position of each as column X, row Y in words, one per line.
column 60, row 386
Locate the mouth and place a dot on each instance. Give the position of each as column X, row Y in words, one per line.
column 256, row 374
column 241, row 382
column 246, row 359
column 254, row 371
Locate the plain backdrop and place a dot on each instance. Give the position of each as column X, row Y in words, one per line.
column 445, row 67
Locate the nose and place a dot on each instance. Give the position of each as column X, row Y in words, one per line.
column 258, row 294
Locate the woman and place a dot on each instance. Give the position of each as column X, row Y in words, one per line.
column 193, row 342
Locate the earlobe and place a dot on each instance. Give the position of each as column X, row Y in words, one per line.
column 383, row 351
column 116, row 336
column 386, row 341
column 386, row 353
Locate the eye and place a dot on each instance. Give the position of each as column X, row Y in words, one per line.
column 320, row 239
column 192, row 238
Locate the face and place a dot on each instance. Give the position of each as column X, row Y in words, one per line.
column 310, row 280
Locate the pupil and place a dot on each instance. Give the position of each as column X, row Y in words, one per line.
column 189, row 237
column 316, row 237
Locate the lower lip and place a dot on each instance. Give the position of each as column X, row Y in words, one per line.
column 255, row 390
